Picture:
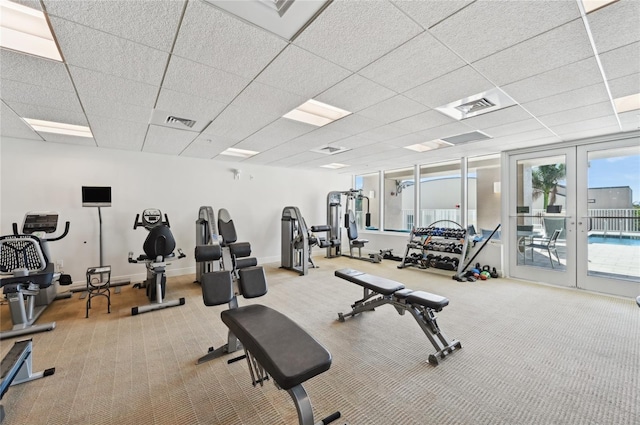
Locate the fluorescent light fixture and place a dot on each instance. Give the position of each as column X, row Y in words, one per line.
column 428, row 146
column 334, row 165
column 593, row 5
column 26, row 30
column 59, row 128
column 316, row 113
column 241, row 153
column 627, row 103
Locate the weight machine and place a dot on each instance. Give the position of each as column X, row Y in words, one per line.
column 207, row 235
column 334, row 217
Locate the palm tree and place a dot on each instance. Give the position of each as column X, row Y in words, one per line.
column 544, row 180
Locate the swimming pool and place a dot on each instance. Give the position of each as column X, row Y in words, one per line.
column 615, row 240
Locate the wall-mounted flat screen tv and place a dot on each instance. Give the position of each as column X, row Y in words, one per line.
column 96, row 196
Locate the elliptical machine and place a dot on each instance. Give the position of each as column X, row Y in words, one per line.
column 32, row 287
column 158, row 247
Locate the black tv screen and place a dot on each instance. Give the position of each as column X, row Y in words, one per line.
column 96, row 196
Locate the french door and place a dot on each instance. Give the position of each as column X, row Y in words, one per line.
column 573, row 218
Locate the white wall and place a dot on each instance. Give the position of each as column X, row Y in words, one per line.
column 37, row 176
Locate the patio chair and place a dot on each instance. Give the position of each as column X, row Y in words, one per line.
column 545, row 243
column 553, row 223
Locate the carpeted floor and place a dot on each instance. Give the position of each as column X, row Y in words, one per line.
column 532, row 354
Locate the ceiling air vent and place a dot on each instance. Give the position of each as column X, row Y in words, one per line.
column 466, row 137
column 475, row 106
column 184, row 121
column 330, row 150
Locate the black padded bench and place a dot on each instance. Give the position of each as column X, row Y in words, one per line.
column 273, row 344
column 422, row 306
column 276, row 346
column 16, row 368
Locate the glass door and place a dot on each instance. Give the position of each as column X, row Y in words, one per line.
column 609, row 217
column 542, row 216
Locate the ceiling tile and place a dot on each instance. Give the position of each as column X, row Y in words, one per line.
column 597, row 110
column 186, row 105
column 193, row 78
column 584, row 126
column 274, row 134
column 630, row 120
column 207, row 146
column 318, row 138
column 152, row 23
column 238, row 123
column 87, row 48
column 584, row 96
column 118, row 111
column 219, row 40
column 34, row 70
column 622, row 61
column 49, row 114
column 371, row 29
column 354, row 142
column 112, row 89
column 615, row 25
column 385, row 132
column 14, row 91
column 417, row 61
column 625, row 86
column 355, row 93
column 556, row 81
column 407, row 140
column 268, row 100
column 514, row 128
column 582, row 133
column 117, row 134
column 300, row 158
column 303, row 73
column 423, row 121
column 167, row 140
column 502, row 116
column 12, row 126
column 486, row 27
column 430, row 13
column 353, row 124
column 461, row 83
column 393, row 109
column 553, row 49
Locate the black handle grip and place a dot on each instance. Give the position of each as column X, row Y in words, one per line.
column 135, row 222
column 66, row 231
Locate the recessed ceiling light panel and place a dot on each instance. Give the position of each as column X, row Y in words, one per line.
column 481, row 103
column 316, row 113
column 428, row 146
column 25, row 30
column 42, row 126
column 334, row 166
column 593, row 5
column 241, row 153
column 627, row 103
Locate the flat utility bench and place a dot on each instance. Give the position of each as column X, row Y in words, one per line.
column 273, row 344
column 16, row 368
column 422, row 306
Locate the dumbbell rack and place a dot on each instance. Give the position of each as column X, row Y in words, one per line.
column 442, row 245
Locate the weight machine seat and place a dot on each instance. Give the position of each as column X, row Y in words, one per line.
column 376, row 284
column 286, row 352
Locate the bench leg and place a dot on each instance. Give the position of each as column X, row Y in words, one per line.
column 231, row 346
column 427, row 321
column 364, row 305
column 303, row 406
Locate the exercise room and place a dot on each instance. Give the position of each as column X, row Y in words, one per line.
column 348, row 212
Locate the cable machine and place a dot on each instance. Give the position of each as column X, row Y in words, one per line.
column 334, row 215
column 294, row 241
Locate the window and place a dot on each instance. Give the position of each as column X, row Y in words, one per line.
column 399, row 200
column 440, row 193
column 484, row 193
column 370, row 186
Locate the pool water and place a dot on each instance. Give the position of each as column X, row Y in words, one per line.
column 615, row 240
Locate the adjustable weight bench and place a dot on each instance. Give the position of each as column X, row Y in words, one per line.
column 422, row 306
column 16, row 368
column 273, row 344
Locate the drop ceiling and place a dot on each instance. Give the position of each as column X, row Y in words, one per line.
column 127, row 64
